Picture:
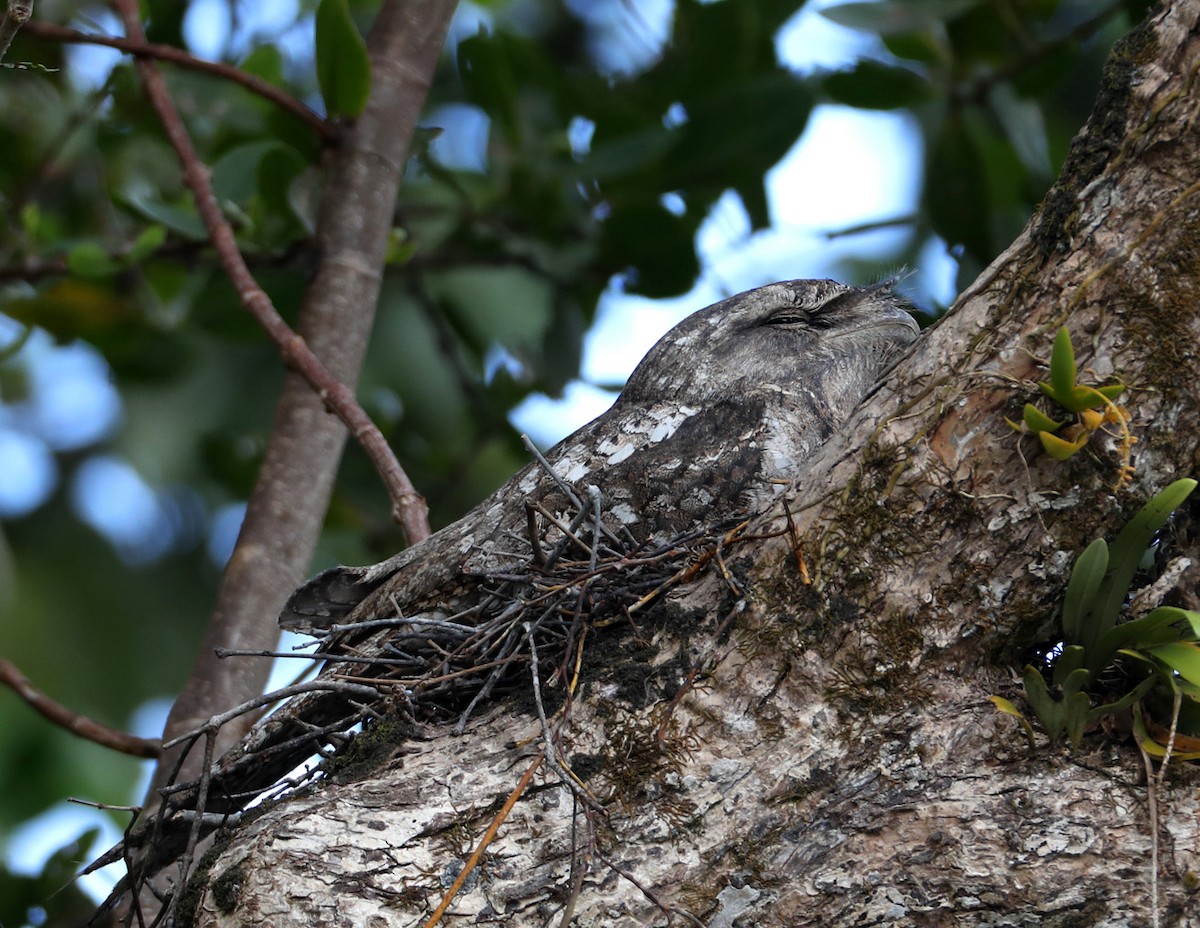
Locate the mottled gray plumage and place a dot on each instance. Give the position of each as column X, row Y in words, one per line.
column 734, row 397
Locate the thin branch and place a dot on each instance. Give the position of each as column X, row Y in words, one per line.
column 488, row 835
column 15, row 16
column 51, row 32
column 73, row 722
column 197, row 824
column 408, row 506
column 313, row 686
column 1152, row 802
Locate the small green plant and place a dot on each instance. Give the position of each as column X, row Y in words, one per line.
column 1092, row 407
column 1164, row 641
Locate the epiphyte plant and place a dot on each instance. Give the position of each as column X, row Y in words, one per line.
column 1091, row 407
column 1164, row 641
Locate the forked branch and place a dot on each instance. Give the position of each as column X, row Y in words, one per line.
column 408, row 506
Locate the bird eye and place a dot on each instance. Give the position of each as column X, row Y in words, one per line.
column 787, row 316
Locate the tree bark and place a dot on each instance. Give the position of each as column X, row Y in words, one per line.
column 837, row 761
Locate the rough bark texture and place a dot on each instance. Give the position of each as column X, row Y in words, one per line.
column 838, row 763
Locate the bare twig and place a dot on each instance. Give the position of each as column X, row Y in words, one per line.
column 194, row 832
column 645, row 890
column 550, row 733
column 409, row 507
column 312, row 686
column 15, row 16
column 51, row 32
column 73, row 722
column 1152, row 802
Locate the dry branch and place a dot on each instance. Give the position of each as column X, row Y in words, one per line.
column 408, row 506
column 51, row 32
column 73, row 722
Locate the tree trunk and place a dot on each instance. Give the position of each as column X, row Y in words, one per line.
column 813, row 744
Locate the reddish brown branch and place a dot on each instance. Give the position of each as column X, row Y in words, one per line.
column 54, row 33
column 488, row 834
column 408, row 506
column 73, row 722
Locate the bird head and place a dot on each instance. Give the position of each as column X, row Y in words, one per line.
column 813, row 340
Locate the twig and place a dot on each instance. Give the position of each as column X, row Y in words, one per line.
column 15, row 16
column 413, row 683
column 408, row 507
column 567, row 530
column 103, row 806
column 313, row 686
column 189, row 854
column 535, row 544
column 562, row 484
column 565, row 775
column 51, row 32
column 488, row 836
column 327, row 656
column 1169, row 748
column 1152, row 802
column 73, row 722
column 667, row 910
column 794, row 538
column 510, row 642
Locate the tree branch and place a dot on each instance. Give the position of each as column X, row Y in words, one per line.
column 73, row 722
column 15, row 16
column 51, row 32
column 408, row 506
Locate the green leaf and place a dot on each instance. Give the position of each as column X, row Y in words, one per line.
column 91, row 262
column 1008, row 708
column 1076, row 682
column 962, row 212
column 149, row 240
column 1181, row 616
column 1124, row 556
column 485, row 65
column 1062, row 367
column 1086, row 577
column 655, row 245
column 181, row 220
column 876, row 86
column 1070, row 660
column 1183, row 657
column 266, row 62
column 1150, row 745
column 1069, row 713
column 1038, row 421
column 927, row 45
column 1059, row 448
column 235, row 175
column 1025, row 128
column 1156, row 628
column 1045, row 707
column 343, row 68
column 1077, row 709
column 1133, row 696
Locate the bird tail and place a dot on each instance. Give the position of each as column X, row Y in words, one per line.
column 327, row 598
